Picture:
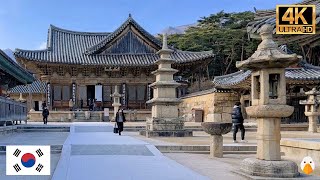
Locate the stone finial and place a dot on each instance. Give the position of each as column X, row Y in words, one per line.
column 268, row 55
column 164, row 42
column 130, row 15
column 266, row 32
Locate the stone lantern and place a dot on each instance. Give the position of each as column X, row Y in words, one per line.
column 268, row 93
column 312, row 109
column 116, row 100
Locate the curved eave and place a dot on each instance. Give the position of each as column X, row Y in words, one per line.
column 12, row 68
column 233, row 79
column 307, row 74
column 45, row 56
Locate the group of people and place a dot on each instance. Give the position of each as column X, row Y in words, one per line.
column 92, row 103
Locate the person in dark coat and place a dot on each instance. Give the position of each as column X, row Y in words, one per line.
column 237, row 120
column 44, row 104
column 120, row 119
column 81, row 104
column 45, row 114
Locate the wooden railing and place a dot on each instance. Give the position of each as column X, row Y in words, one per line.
column 11, row 110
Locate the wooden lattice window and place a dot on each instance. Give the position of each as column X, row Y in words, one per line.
column 136, row 72
column 98, row 71
column 61, row 71
column 86, row 71
column 123, row 72
column 74, row 71
column 43, row 70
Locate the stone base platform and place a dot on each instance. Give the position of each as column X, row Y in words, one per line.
column 177, row 133
column 273, row 169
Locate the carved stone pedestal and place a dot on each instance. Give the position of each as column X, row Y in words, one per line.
column 279, row 169
column 216, row 130
column 216, row 146
column 167, row 127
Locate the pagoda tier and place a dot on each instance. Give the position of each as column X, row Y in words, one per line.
column 164, row 99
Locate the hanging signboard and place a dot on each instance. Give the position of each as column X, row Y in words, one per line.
column 48, row 95
column 124, row 100
column 74, row 92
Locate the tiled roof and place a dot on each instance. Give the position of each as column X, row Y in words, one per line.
column 305, row 72
column 10, row 67
column 269, row 17
column 84, row 48
column 35, row 87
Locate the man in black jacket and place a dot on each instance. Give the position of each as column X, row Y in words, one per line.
column 45, row 114
column 237, row 120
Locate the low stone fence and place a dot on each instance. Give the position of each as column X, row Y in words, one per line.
column 297, row 149
column 216, row 105
column 11, row 110
column 70, row 116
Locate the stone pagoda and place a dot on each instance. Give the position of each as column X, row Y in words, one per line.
column 165, row 120
column 268, row 93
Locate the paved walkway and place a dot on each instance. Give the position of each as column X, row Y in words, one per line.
column 93, row 152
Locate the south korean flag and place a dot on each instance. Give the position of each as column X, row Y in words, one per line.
column 28, row 160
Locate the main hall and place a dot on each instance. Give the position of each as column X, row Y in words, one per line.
column 83, row 66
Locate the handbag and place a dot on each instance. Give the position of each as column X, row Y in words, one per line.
column 115, row 129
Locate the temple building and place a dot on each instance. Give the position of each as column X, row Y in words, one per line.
column 87, row 65
column 11, row 75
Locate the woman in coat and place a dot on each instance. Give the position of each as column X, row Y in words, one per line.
column 120, row 119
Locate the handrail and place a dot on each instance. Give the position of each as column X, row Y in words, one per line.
column 11, row 110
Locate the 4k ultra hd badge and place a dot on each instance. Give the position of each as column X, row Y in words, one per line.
column 27, row 160
column 296, row 19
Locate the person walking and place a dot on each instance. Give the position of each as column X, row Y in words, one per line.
column 45, row 114
column 81, row 104
column 44, row 104
column 71, row 105
column 237, row 120
column 120, row 119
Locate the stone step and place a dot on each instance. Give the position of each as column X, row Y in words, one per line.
column 55, row 149
column 208, row 152
column 205, row 148
column 42, row 130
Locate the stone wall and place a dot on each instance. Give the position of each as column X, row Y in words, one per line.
column 297, row 149
column 68, row 116
column 216, row 106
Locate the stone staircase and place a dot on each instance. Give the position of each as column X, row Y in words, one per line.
column 81, row 117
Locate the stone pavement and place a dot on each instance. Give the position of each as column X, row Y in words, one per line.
column 215, row 168
column 31, row 138
column 93, row 152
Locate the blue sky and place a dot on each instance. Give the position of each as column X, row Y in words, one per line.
column 24, row 23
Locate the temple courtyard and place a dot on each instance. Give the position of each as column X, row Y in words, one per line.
column 108, row 156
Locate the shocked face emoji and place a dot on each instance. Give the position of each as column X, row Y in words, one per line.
column 307, row 165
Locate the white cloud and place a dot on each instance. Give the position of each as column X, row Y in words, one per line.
column 43, row 45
